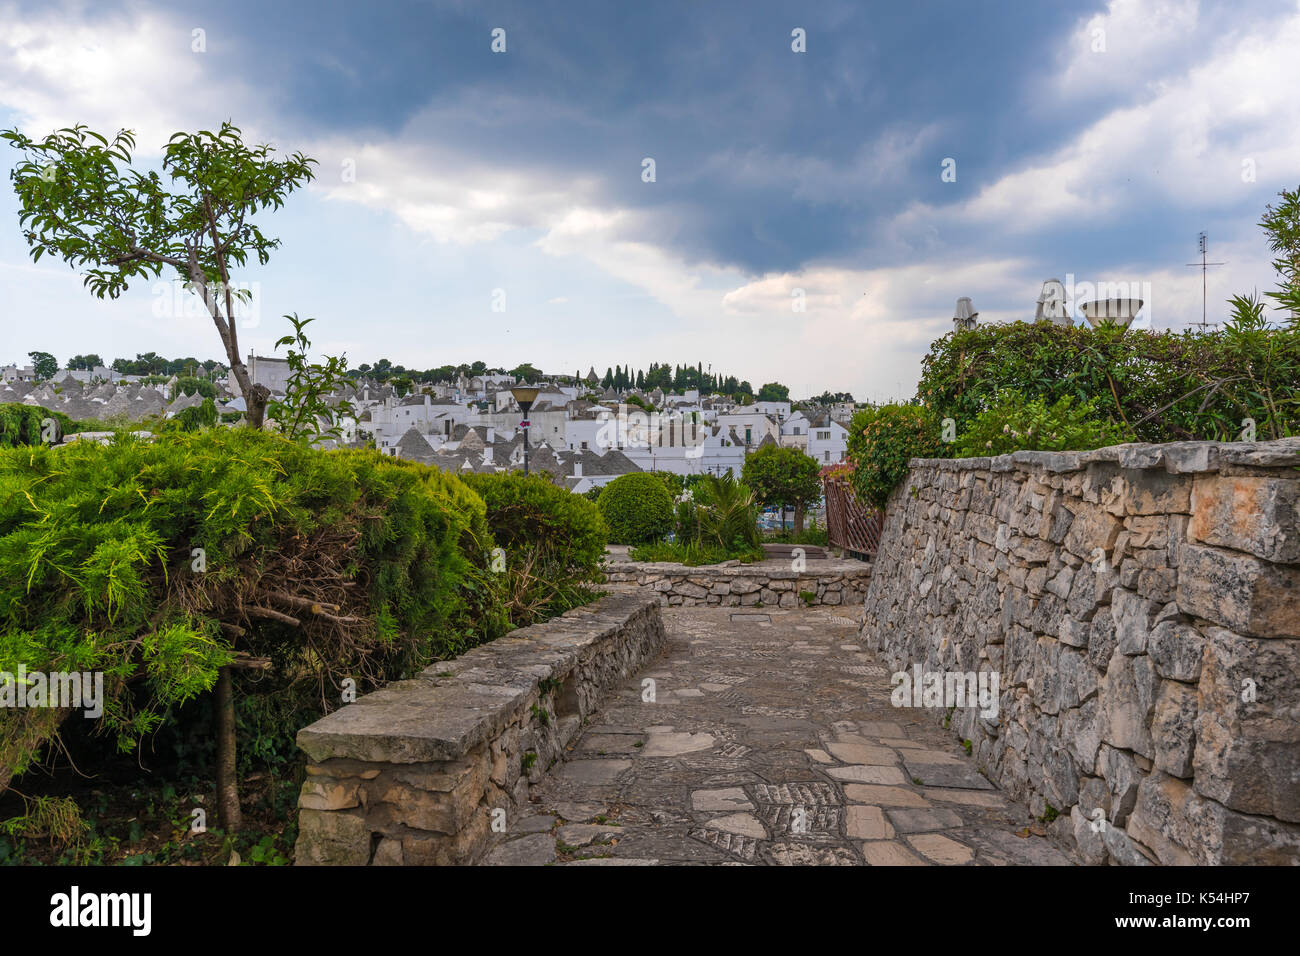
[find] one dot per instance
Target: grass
(693, 554)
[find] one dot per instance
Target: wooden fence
(849, 525)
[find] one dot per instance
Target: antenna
(1201, 245)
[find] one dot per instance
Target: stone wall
(413, 773)
(1141, 606)
(772, 583)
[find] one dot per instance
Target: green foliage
(693, 553)
(44, 365)
(551, 541)
(21, 424)
(198, 416)
(774, 392)
(1163, 386)
(721, 516)
(85, 363)
(672, 481)
(1013, 423)
(305, 414)
(885, 439)
(637, 509)
(1282, 225)
(189, 384)
(782, 477)
(97, 570)
(92, 209)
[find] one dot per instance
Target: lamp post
(525, 395)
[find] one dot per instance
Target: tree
(82, 201)
(44, 365)
(85, 363)
(525, 373)
(774, 392)
(785, 478)
(1282, 224)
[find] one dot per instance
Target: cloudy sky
(1092, 140)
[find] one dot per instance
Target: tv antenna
(1204, 266)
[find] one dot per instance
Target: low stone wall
(414, 773)
(1141, 607)
(772, 583)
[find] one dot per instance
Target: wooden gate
(849, 525)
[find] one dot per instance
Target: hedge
(156, 562)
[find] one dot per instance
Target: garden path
(770, 739)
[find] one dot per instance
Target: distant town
(583, 429)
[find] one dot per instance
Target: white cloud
(133, 71)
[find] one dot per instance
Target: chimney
(427, 400)
(577, 468)
(491, 434)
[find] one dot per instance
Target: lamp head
(525, 395)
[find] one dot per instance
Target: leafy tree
(784, 478)
(82, 201)
(774, 392)
(44, 365)
(1282, 224)
(525, 373)
(85, 363)
(188, 385)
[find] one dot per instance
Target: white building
(794, 431)
(828, 442)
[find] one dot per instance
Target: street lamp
(525, 395)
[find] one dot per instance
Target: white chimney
(577, 468)
(491, 434)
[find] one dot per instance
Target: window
(584, 446)
(823, 436)
(826, 456)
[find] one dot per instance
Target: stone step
(775, 550)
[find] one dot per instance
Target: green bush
(893, 434)
(692, 553)
(21, 424)
(1164, 386)
(197, 416)
(1013, 423)
(552, 542)
(99, 572)
(672, 481)
(637, 509)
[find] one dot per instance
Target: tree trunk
(798, 519)
(228, 812)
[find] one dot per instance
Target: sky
(480, 204)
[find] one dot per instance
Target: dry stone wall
(772, 583)
(1141, 607)
(416, 773)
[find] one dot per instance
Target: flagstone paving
(770, 740)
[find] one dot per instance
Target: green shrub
(21, 424)
(672, 481)
(893, 435)
(725, 515)
(98, 569)
(1164, 386)
(551, 541)
(637, 508)
(1013, 423)
(692, 553)
(197, 416)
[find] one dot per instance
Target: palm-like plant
(726, 513)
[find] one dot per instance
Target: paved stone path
(770, 740)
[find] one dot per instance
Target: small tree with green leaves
(306, 414)
(784, 478)
(44, 365)
(81, 200)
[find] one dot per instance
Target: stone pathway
(770, 740)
